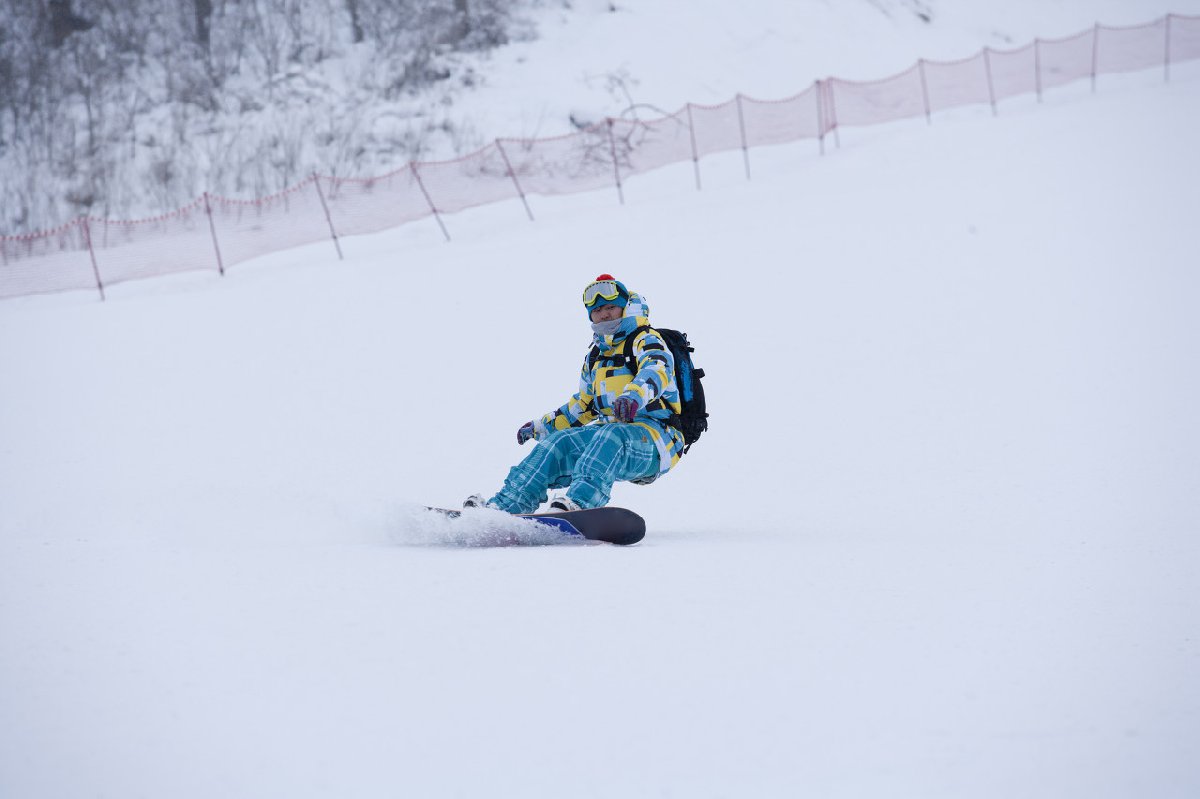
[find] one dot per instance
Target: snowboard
(619, 526)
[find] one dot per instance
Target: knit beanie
(604, 290)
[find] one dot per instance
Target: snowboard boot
(564, 504)
(476, 501)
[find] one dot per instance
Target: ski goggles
(608, 290)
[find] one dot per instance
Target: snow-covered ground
(591, 61)
(941, 541)
(570, 62)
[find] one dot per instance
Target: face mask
(606, 328)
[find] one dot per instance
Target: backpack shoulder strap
(630, 360)
(627, 358)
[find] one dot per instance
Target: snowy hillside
(941, 541)
(133, 118)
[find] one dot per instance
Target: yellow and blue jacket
(605, 378)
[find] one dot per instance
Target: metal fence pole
(987, 67)
(416, 174)
(820, 116)
(742, 130)
(695, 151)
(512, 174)
(612, 146)
(317, 183)
(1037, 66)
(1167, 51)
(212, 229)
(833, 121)
(925, 92)
(87, 236)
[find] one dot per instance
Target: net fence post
(417, 174)
(1037, 66)
(87, 236)
(1095, 53)
(612, 147)
(925, 92)
(328, 218)
(512, 174)
(742, 131)
(987, 68)
(820, 116)
(695, 151)
(833, 120)
(212, 229)
(1167, 50)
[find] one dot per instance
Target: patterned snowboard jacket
(601, 383)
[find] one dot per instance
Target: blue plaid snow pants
(588, 459)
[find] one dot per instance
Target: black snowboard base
(619, 526)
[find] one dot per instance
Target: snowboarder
(614, 428)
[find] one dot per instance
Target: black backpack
(692, 420)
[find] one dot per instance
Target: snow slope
(940, 542)
(570, 61)
(592, 62)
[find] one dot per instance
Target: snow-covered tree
(121, 109)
